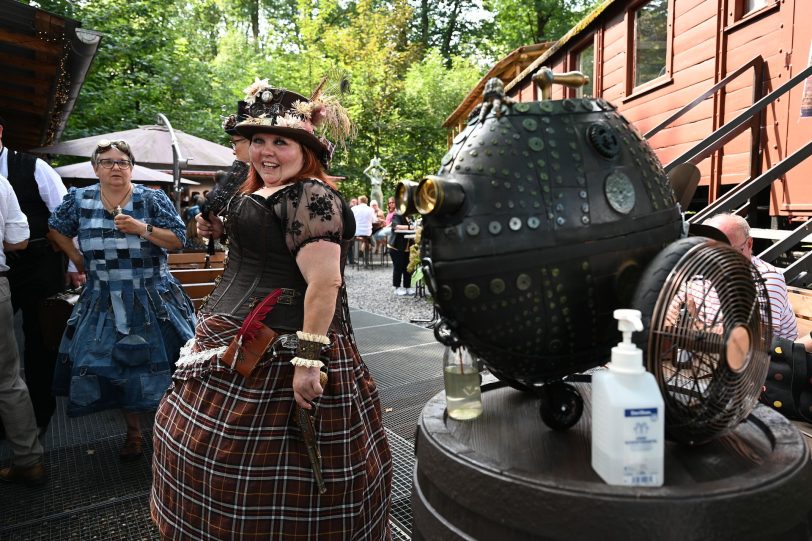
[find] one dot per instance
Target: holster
(244, 357)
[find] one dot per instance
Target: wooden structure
(801, 301)
(505, 69)
(507, 476)
(652, 57)
(44, 59)
(197, 272)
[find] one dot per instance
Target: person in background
(399, 253)
(230, 460)
(737, 231)
(378, 239)
(382, 236)
(126, 330)
(364, 218)
(37, 272)
(194, 209)
(16, 409)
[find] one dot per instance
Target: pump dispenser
(627, 414)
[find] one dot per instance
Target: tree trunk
(424, 23)
(255, 19)
(448, 33)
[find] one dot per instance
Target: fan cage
(711, 297)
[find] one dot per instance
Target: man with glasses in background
(737, 231)
(37, 272)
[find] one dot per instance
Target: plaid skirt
(229, 460)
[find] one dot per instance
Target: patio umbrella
(152, 147)
(83, 172)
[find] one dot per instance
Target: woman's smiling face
(277, 159)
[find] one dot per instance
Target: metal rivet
(472, 229)
(515, 224)
(530, 124)
(523, 282)
(471, 291)
(497, 286)
(585, 207)
(446, 293)
(533, 222)
(582, 194)
(495, 228)
(584, 220)
(535, 143)
(521, 107)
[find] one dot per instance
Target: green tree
(521, 22)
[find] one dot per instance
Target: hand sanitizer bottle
(627, 414)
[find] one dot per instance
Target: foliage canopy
(410, 63)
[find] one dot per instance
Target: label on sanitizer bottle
(640, 443)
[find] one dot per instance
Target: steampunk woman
(230, 459)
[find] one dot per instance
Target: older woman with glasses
(126, 330)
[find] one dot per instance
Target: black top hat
(231, 121)
(289, 114)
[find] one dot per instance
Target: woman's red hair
(311, 168)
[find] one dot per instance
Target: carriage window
(585, 63)
(753, 5)
(650, 41)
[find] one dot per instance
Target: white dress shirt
(364, 218)
(51, 187)
(13, 223)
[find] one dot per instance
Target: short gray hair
(741, 223)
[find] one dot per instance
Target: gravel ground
(371, 290)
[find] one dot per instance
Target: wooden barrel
(507, 476)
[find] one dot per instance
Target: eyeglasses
(108, 163)
(742, 246)
(235, 142)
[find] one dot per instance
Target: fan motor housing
(563, 204)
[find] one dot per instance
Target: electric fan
(706, 319)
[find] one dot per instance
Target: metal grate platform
(91, 494)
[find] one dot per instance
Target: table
(507, 476)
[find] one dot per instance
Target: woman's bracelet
(310, 345)
(310, 337)
(307, 363)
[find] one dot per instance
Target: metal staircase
(739, 199)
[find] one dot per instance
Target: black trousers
(400, 261)
(35, 274)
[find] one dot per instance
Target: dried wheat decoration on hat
(308, 121)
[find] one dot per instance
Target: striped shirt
(783, 318)
(700, 299)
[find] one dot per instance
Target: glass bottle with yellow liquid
(462, 380)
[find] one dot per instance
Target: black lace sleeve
(310, 211)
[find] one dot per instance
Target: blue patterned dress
(125, 332)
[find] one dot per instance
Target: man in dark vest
(227, 186)
(36, 272)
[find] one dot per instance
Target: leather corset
(258, 262)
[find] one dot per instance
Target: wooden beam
(28, 64)
(40, 101)
(20, 80)
(32, 43)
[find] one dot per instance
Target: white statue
(376, 173)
